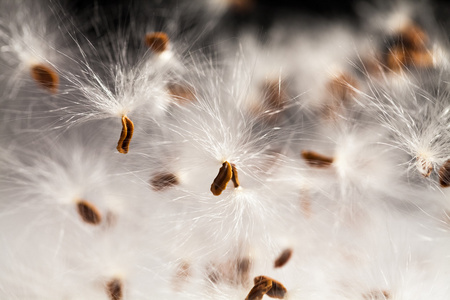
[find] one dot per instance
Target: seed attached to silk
(88, 212)
(276, 290)
(235, 177)
(444, 174)
(259, 289)
(125, 135)
(317, 160)
(163, 181)
(46, 77)
(220, 182)
(114, 289)
(283, 258)
(158, 42)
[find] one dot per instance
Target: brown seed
(220, 182)
(444, 174)
(158, 42)
(181, 93)
(243, 270)
(260, 288)
(283, 258)
(317, 160)
(413, 37)
(88, 212)
(274, 96)
(125, 135)
(396, 59)
(46, 77)
(114, 289)
(341, 87)
(421, 58)
(234, 177)
(376, 295)
(276, 291)
(163, 181)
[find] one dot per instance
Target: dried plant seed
(220, 182)
(341, 87)
(243, 270)
(414, 37)
(259, 289)
(163, 181)
(114, 289)
(125, 135)
(89, 212)
(377, 295)
(277, 291)
(46, 77)
(234, 177)
(181, 93)
(283, 258)
(444, 174)
(317, 160)
(158, 42)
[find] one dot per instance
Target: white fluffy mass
(159, 154)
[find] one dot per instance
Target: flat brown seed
(220, 182)
(234, 177)
(158, 42)
(276, 291)
(421, 58)
(444, 174)
(341, 87)
(125, 135)
(376, 295)
(283, 258)
(114, 289)
(181, 93)
(396, 59)
(243, 270)
(259, 289)
(46, 77)
(317, 160)
(88, 212)
(414, 37)
(163, 181)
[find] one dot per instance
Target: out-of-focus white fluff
(363, 219)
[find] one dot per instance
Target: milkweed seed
(114, 289)
(396, 59)
(421, 58)
(274, 96)
(283, 258)
(125, 135)
(46, 77)
(276, 291)
(316, 160)
(259, 289)
(158, 42)
(163, 181)
(182, 274)
(234, 177)
(88, 212)
(341, 87)
(444, 174)
(377, 295)
(413, 37)
(243, 270)
(220, 182)
(181, 93)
